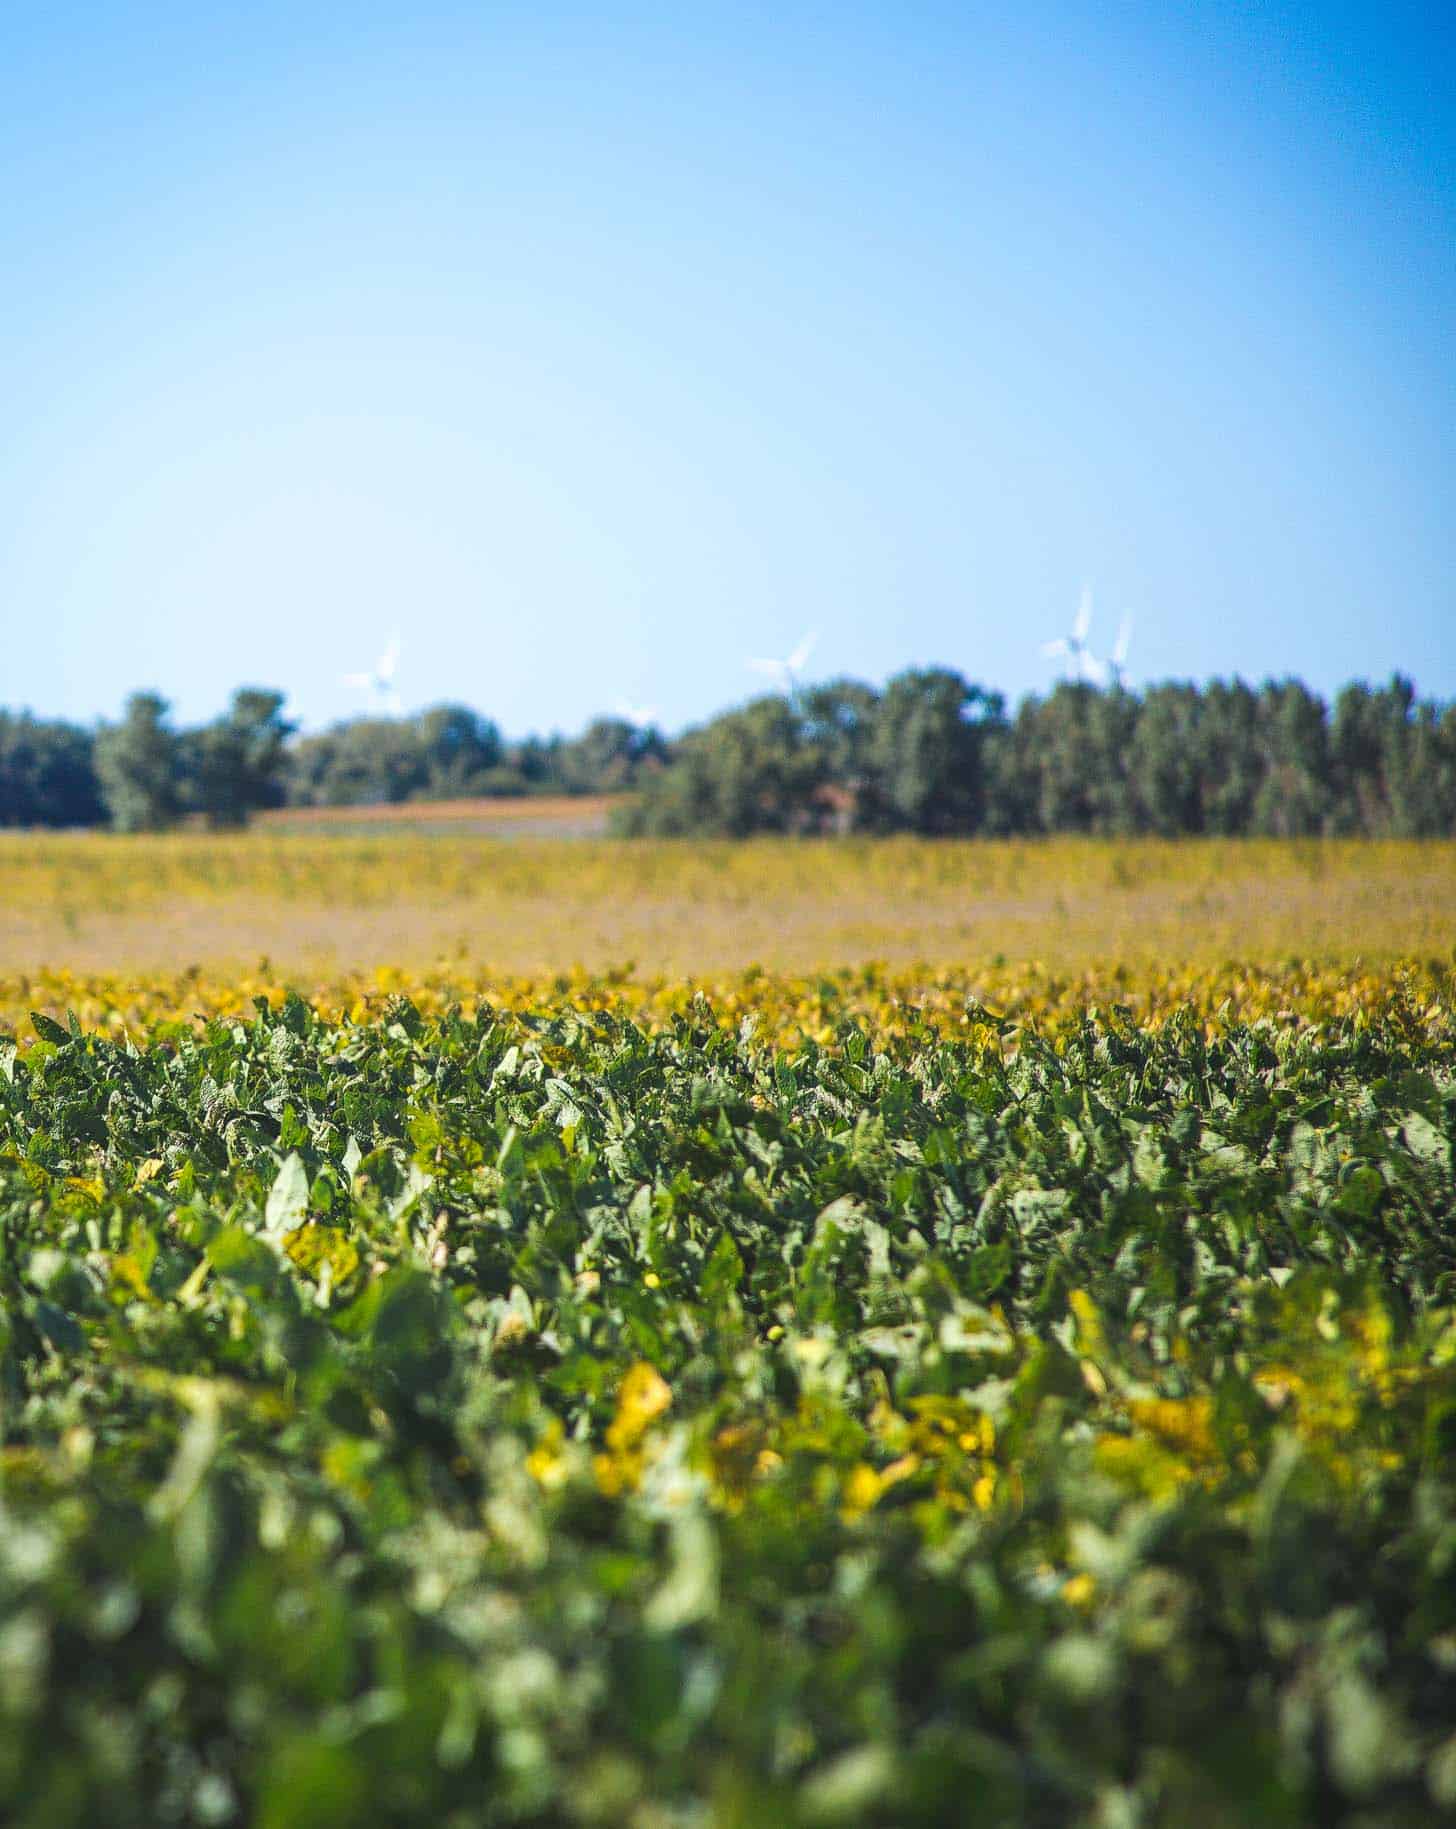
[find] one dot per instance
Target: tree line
(936, 754)
(931, 752)
(143, 773)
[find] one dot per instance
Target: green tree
(237, 765)
(1391, 762)
(1068, 761)
(138, 764)
(1231, 760)
(47, 773)
(1164, 762)
(459, 748)
(608, 756)
(926, 754)
(1423, 796)
(537, 762)
(1295, 798)
(836, 727)
(750, 770)
(364, 762)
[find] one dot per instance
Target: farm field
(952, 1333)
(561, 815)
(319, 905)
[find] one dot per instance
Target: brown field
(550, 815)
(312, 901)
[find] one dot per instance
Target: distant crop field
(559, 815)
(316, 902)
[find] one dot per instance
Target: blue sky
(598, 349)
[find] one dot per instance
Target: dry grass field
(542, 815)
(313, 903)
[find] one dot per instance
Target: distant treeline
(143, 773)
(933, 753)
(930, 753)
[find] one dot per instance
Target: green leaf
(307, 1780)
(1424, 1140)
(690, 1589)
(288, 1198)
(723, 1271)
(846, 1788)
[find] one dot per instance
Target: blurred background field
(316, 902)
(497, 816)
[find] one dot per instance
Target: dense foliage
(47, 773)
(931, 754)
(451, 752)
(150, 774)
(782, 1010)
(934, 754)
(582, 1414)
(144, 774)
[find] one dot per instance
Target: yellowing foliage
(321, 905)
(645, 1395)
(975, 1003)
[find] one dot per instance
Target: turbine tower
(1117, 660)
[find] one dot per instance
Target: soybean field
(1016, 1387)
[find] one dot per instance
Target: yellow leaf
(644, 1396)
(1184, 1424)
(861, 1489)
(313, 1246)
(126, 1273)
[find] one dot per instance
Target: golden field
(801, 934)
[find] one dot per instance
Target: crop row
(887, 1004)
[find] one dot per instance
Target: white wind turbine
(1074, 646)
(640, 717)
(379, 680)
(785, 673)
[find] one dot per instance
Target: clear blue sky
(599, 349)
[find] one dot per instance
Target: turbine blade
(1053, 648)
(1083, 622)
(1124, 641)
(389, 660)
(801, 654)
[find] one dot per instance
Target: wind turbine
(640, 717)
(1117, 660)
(786, 672)
(1074, 646)
(380, 679)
